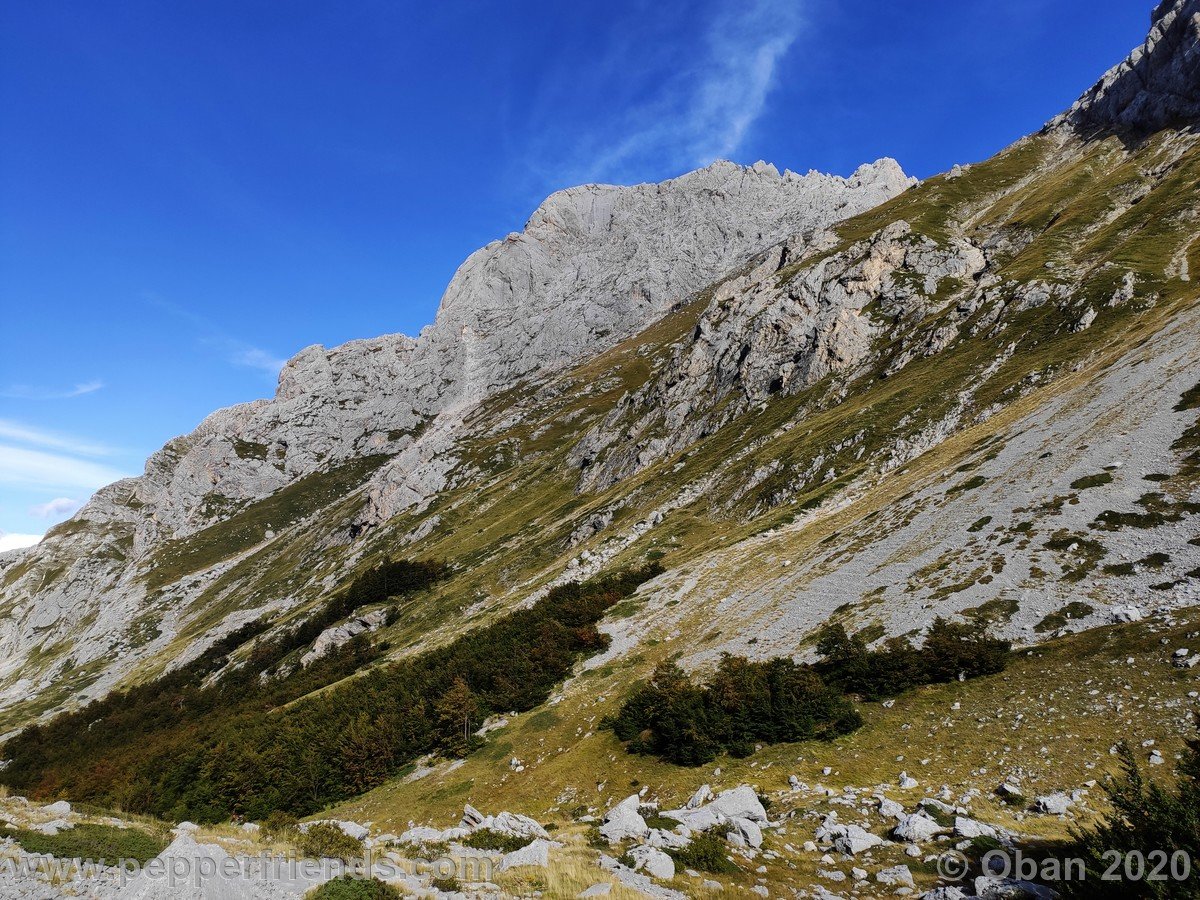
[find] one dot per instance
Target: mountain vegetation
(246, 746)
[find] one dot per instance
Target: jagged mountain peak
(1157, 86)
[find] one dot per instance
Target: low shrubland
(746, 703)
(248, 746)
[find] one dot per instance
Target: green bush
(1145, 817)
(745, 702)
(326, 841)
(178, 749)
(280, 825)
(706, 853)
(97, 843)
(487, 839)
(655, 819)
(950, 650)
(348, 888)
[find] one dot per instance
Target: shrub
(349, 888)
(325, 841)
(706, 853)
(280, 825)
(180, 749)
(97, 843)
(950, 650)
(655, 819)
(487, 839)
(744, 703)
(1145, 817)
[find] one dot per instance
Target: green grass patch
(1091, 481)
(706, 853)
(1056, 620)
(97, 843)
(487, 839)
(349, 888)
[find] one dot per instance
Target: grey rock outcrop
(774, 330)
(1156, 87)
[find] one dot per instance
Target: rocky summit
(749, 532)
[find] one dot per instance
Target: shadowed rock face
(1156, 87)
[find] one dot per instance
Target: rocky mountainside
(593, 265)
(1157, 87)
(810, 400)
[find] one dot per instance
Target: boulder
(421, 834)
(536, 853)
(1055, 804)
(637, 881)
(895, 875)
(624, 822)
(596, 890)
(890, 809)
(653, 862)
(471, 817)
(1126, 614)
(741, 803)
(518, 826)
(666, 840)
(992, 887)
(702, 795)
(58, 810)
(917, 828)
(747, 830)
(856, 840)
(969, 828)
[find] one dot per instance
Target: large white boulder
(747, 831)
(653, 862)
(518, 825)
(855, 840)
(917, 828)
(1055, 804)
(739, 803)
(536, 853)
(624, 821)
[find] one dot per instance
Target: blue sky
(190, 192)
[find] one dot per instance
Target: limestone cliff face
(594, 265)
(1156, 87)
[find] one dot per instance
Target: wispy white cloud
(38, 437)
(23, 467)
(255, 358)
(35, 457)
(58, 508)
(17, 541)
(235, 351)
(698, 108)
(30, 392)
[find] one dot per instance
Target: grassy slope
(507, 522)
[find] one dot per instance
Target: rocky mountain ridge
(976, 401)
(365, 445)
(1156, 87)
(593, 265)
